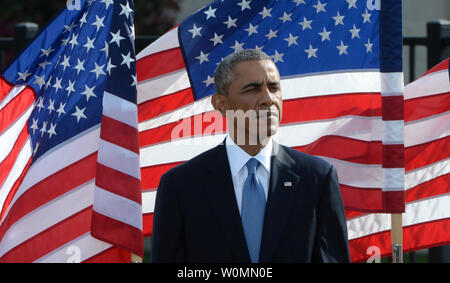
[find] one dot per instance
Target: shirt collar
(237, 157)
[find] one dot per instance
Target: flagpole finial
(135, 258)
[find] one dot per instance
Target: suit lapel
(220, 192)
(279, 203)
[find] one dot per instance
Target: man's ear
(218, 101)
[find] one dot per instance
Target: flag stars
(44, 128)
(217, 39)
(98, 70)
(126, 10)
(61, 109)
(251, 29)
(110, 66)
(65, 62)
(355, 32)
(195, 31)
(98, 22)
(39, 80)
(40, 104)
(79, 113)
(127, 60)
(311, 52)
(366, 17)
(203, 57)
(265, 13)
(277, 57)
(291, 40)
(34, 126)
(57, 86)
(52, 130)
(83, 19)
(49, 82)
(259, 48)
(271, 34)
(351, 4)
(325, 35)
(305, 24)
(338, 19)
(36, 146)
(89, 44)
(368, 46)
(210, 13)
(245, 5)
(286, 18)
(237, 46)
(46, 52)
(70, 88)
(107, 3)
(209, 81)
(88, 92)
(106, 48)
(69, 28)
(342, 48)
(73, 41)
(44, 64)
(132, 33)
(116, 37)
(65, 41)
(23, 76)
(298, 2)
(80, 66)
(230, 22)
(320, 7)
(51, 106)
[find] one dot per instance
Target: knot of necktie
(252, 165)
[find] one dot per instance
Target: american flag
(426, 220)
(342, 82)
(69, 157)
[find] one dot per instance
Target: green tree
(151, 16)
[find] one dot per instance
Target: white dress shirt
(238, 158)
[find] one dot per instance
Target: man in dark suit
(250, 199)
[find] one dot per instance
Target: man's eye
(275, 88)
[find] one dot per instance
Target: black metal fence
(437, 44)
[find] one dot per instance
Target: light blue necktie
(252, 210)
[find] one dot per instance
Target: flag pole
(135, 258)
(397, 237)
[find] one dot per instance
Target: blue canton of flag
(82, 53)
(317, 36)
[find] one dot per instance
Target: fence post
(23, 32)
(436, 32)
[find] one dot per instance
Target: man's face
(256, 86)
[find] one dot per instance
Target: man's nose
(267, 97)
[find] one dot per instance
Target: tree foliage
(151, 16)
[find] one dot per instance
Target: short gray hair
(224, 73)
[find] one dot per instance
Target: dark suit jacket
(196, 217)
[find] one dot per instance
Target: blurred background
(426, 31)
(155, 17)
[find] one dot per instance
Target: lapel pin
(287, 184)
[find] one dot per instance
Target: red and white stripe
(347, 127)
(47, 207)
(426, 220)
(117, 206)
